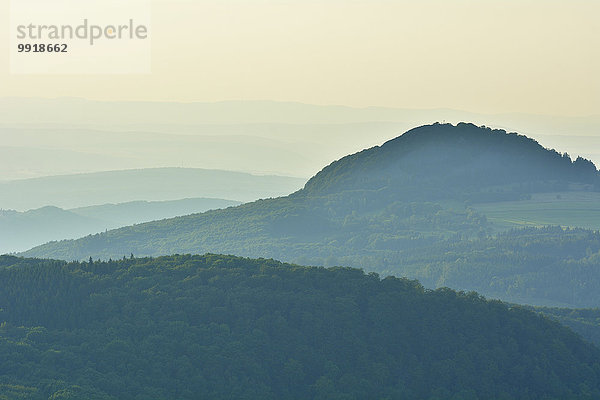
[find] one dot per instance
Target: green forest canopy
(213, 326)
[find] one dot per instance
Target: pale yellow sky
(489, 56)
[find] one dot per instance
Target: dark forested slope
(585, 321)
(210, 326)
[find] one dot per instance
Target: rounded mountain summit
(463, 162)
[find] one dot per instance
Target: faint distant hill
(136, 212)
(160, 114)
(166, 115)
(157, 184)
(404, 209)
(20, 231)
(268, 137)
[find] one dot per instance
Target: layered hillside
(217, 327)
(20, 231)
(402, 209)
(152, 184)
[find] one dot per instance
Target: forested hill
(215, 327)
(463, 162)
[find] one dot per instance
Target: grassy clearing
(568, 209)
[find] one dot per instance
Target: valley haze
(261, 137)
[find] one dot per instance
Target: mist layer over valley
(262, 137)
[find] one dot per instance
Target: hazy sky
(530, 56)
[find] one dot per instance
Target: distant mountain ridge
(136, 212)
(282, 138)
(20, 231)
(154, 184)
